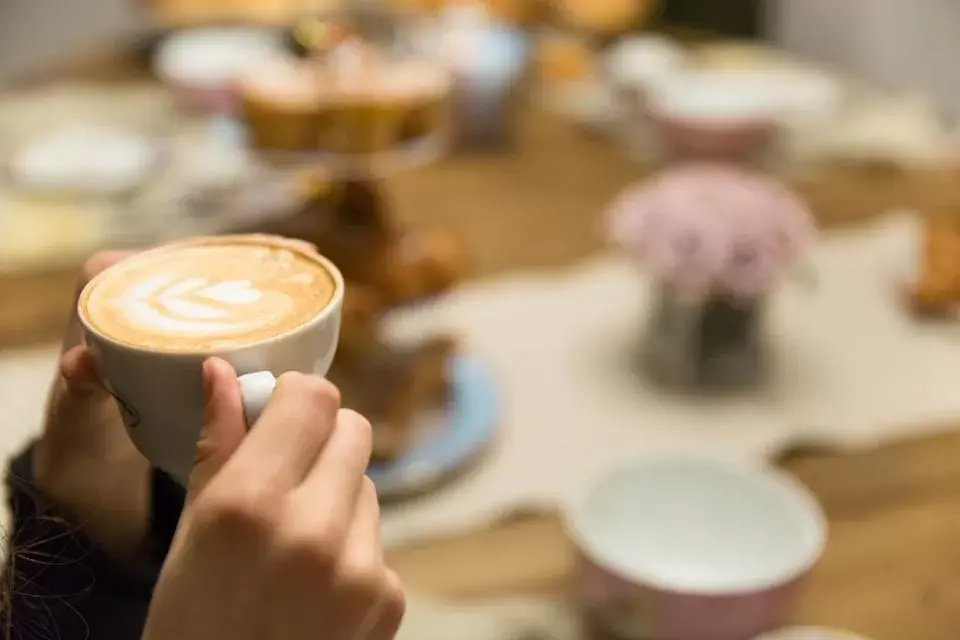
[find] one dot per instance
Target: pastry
(603, 16)
(562, 58)
(349, 225)
(189, 13)
(350, 99)
(516, 12)
(938, 285)
(389, 384)
(400, 264)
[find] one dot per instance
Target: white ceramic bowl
(691, 548)
(717, 98)
(204, 66)
(638, 62)
(715, 114)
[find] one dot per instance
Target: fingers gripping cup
(263, 304)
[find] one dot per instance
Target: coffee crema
(207, 296)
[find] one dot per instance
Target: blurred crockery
(486, 60)
(688, 548)
(85, 160)
(604, 17)
(203, 66)
(810, 633)
(356, 99)
(715, 115)
(632, 67)
(636, 63)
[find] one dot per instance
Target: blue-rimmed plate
(449, 440)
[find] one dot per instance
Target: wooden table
(892, 569)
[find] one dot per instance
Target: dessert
(188, 13)
(603, 16)
(562, 59)
(349, 225)
(390, 384)
(348, 99)
(402, 265)
(516, 12)
(938, 286)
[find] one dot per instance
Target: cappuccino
(209, 295)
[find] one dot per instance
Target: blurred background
(576, 234)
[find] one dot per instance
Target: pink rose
(705, 227)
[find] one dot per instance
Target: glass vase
(714, 342)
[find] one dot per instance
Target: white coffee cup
(161, 394)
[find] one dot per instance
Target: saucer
(451, 438)
(717, 99)
(85, 159)
(637, 62)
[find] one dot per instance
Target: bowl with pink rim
(203, 66)
(707, 114)
(679, 547)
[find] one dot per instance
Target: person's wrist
(117, 521)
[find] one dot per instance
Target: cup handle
(256, 389)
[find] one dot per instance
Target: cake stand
(444, 438)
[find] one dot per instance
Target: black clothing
(58, 585)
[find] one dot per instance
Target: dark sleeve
(59, 585)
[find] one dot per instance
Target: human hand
(280, 534)
(84, 461)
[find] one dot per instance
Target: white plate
(210, 57)
(719, 97)
(640, 61)
(93, 159)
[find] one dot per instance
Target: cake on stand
(346, 114)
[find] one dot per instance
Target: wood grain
(891, 570)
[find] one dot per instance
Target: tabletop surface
(892, 568)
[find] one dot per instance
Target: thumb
(223, 424)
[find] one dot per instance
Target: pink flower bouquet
(707, 230)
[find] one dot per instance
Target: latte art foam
(209, 296)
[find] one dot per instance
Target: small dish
(86, 160)
(448, 442)
(692, 548)
(706, 114)
(203, 66)
(634, 64)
